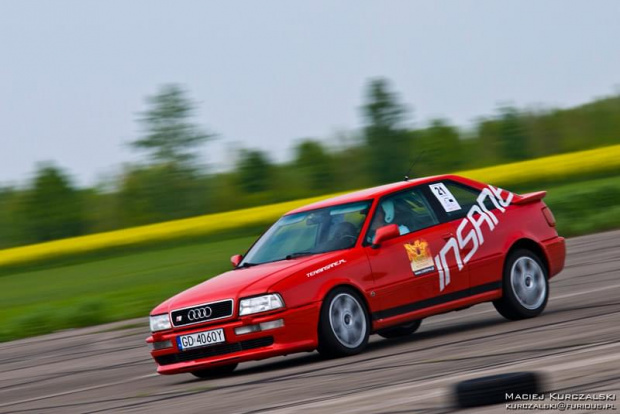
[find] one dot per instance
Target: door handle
(447, 236)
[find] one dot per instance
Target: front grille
(202, 313)
(215, 350)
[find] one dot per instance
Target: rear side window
(457, 199)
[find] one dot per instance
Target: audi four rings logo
(199, 313)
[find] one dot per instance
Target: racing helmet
(388, 210)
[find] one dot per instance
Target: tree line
(170, 183)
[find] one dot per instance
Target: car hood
(240, 283)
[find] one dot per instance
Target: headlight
(260, 304)
(159, 322)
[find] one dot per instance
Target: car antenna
(413, 164)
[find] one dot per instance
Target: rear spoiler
(529, 197)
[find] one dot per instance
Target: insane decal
(420, 256)
(445, 197)
(470, 231)
(324, 268)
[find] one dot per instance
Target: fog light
(265, 326)
(242, 330)
(272, 324)
(156, 346)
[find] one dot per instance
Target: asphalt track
(575, 343)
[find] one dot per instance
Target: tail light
(548, 216)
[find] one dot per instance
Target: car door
(478, 232)
(406, 274)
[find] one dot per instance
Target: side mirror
(384, 234)
(236, 259)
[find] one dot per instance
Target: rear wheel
(400, 331)
(215, 372)
(344, 325)
(525, 286)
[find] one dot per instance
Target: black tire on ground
(493, 389)
(215, 372)
(401, 330)
(343, 316)
(533, 277)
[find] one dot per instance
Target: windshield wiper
(299, 254)
(247, 264)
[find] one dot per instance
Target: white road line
(380, 394)
(585, 292)
(93, 387)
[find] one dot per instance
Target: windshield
(310, 232)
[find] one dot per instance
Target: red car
(327, 275)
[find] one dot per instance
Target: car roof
(373, 192)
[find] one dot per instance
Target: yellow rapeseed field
(575, 164)
(588, 162)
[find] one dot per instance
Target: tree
(51, 208)
(441, 146)
(513, 137)
(168, 187)
(386, 138)
(315, 164)
(157, 193)
(254, 171)
(10, 223)
(169, 136)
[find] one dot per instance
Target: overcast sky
(74, 74)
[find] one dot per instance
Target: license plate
(196, 340)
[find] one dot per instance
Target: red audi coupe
(326, 276)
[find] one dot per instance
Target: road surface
(575, 343)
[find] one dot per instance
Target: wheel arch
(531, 245)
(360, 294)
(354, 288)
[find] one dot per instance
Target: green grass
(111, 289)
(586, 207)
(108, 288)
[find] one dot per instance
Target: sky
(264, 74)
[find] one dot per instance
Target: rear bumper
(298, 334)
(555, 250)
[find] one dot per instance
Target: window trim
(370, 206)
(441, 212)
(378, 201)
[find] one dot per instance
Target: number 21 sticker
(445, 197)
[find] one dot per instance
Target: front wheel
(525, 286)
(344, 325)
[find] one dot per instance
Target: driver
(383, 217)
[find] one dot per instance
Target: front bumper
(298, 334)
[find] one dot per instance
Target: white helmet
(388, 209)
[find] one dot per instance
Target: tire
(525, 286)
(493, 389)
(344, 325)
(400, 331)
(215, 372)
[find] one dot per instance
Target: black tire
(493, 389)
(215, 372)
(358, 322)
(514, 303)
(400, 331)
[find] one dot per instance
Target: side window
(409, 209)
(458, 198)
